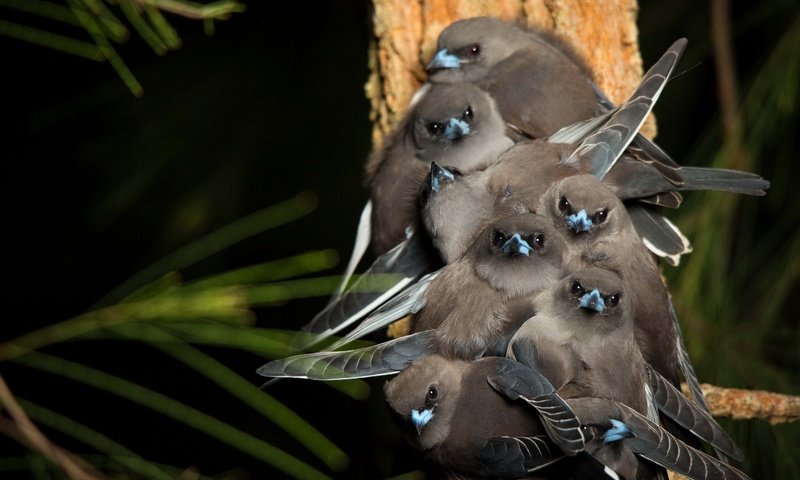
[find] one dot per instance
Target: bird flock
(516, 218)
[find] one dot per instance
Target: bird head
(581, 205)
(468, 49)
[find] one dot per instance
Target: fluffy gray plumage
(581, 350)
(396, 172)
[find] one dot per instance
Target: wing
(735, 181)
(363, 235)
(654, 443)
(517, 381)
(385, 358)
(621, 425)
(603, 148)
(515, 457)
(405, 263)
(659, 235)
(407, 302)
(672, 403)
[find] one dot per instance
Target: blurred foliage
(170, 315)
(735, 291)
(159, 370)
(101, 24)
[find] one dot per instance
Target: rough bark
(605, 33)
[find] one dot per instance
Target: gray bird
(456, 125)
(472, 302)
(583, 331)
(450, 413)
(462, 310)
(581, 334)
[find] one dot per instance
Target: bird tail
(736, 181)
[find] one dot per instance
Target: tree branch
(21, 429)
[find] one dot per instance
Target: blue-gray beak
(456, 129)
(440, 176)
(420, 418)
(593, 301)
(618, 431)
(443, 59)
(516, 246)
(580, 222)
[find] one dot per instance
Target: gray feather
(672, 403)
(386, 358)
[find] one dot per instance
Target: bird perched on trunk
(539, 82)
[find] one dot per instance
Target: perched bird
(462, 312)
(450, 413)
(470, 304)
(581, 333)
(473, 302)
(456, 125)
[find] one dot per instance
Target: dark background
(99, 184)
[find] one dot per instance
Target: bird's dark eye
(435, 128)
(576, 289)
(600, 216)
(538, 241)
(475, 50)
(467, 114)
(564, 206)
(498, 238)
(433, 393)
(613, 299)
